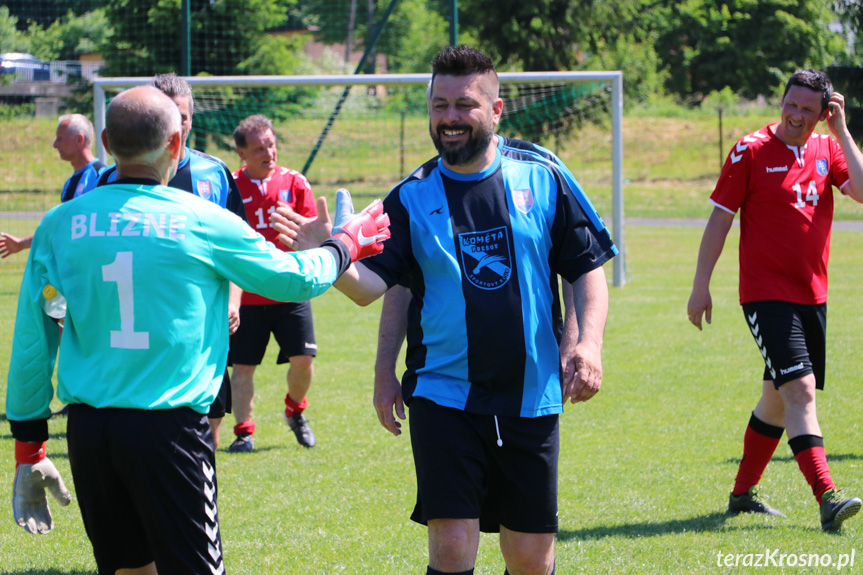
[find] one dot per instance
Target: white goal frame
(615, 78)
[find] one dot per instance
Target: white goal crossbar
(615, 78)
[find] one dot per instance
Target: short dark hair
(814, 80)
(174, 86)
(462, 60)
(252, 125)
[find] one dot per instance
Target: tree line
(686, 49)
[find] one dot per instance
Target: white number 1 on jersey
(120, 271)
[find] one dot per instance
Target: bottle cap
(49, 292)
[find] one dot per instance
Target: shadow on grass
(48, 572)
(709, 522)
(790, 458)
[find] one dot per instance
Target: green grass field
(645, 468)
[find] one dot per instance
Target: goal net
(368, 132)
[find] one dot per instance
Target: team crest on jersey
(523, 200)
(485, 257)
(204, 189)
(79, 190)
(821, 167)
(285, 195)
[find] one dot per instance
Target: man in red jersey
(262, 185)
(781, 178)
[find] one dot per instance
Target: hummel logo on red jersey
(779, 169)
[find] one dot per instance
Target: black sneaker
(750, 503)
(835, 509)
(242, 444)
(300, 426)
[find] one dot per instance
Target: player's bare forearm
(590, 298)
(235, 297)
(853, 157)
(700, 303)
(392, 328)
(570, 334)
(360, 284)
(391, 334)
(10, 244)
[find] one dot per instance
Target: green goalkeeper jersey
(145, 272)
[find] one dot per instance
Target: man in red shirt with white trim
(262, 185)
(781, 179)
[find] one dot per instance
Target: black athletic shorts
(222, 404)
(146, 485)
(462, 472)
(792, 339)
(291, 323)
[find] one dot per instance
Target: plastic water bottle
(53, 302)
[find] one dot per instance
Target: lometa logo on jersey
(285, 195)
(821, 167)
(205, 190)
(485, 257)
(523, 200)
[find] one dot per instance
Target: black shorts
(222, 404)
(792, 339)
(462, 473)
(146, 486)
(291, 323)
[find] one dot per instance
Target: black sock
(506, 571)
(431, 571)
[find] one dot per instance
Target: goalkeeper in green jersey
(145, 271)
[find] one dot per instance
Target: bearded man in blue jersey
(145, 270)
(480, 235)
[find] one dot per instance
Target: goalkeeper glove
(363, 233)
(33, 474)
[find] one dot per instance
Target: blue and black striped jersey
(82, 181)
(481, 253)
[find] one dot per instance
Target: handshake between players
(363, 233)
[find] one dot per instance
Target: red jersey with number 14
(260, 198)
(785, 197)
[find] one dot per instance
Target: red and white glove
(33, 474)
(363, 233)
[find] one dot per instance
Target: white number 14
(811, 195)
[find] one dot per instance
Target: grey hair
(78, 124)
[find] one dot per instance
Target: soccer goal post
(367, 132)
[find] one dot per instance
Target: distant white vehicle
(25, 67)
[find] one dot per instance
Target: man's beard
(476, 144)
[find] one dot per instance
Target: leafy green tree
(411, 37)
(11, 39)
(44, 13)
(70, 36)
(749, 45)
(147, 34)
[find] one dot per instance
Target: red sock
(759, 443)
(811, 458)
(245, 428)
(292, 407)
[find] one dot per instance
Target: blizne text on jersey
(128, 224)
